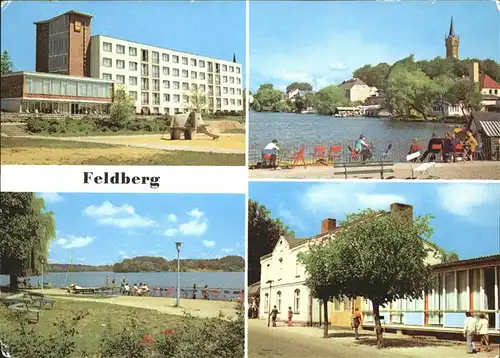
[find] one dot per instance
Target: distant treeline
(159, 264)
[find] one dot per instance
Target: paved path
(306, 342)
(468, 170)
(162, 146)
(197, 308)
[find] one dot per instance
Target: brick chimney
(327, 225)
(397, 208)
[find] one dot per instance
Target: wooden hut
(487, 125)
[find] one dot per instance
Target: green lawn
(30, 151)
(97, 316)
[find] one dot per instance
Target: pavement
(477, 170)
(197, 308)
(165, 145)
(307, 342)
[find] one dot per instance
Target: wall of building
(12, 86)
(10, 105)
(79, 45)
(359, 93)
(171, 99)
(42, 48)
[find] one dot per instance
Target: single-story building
(38, 92)
(487, 125)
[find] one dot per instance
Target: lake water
(293, 130)
(230, 280)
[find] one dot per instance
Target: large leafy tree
(378, 256)
(120, 111)
(6, 63)
(198, 101)
(329, 98)
(467, 94)
(26, 229)
(267, 96)
(302, 86)
(263, 234)
(374, 76)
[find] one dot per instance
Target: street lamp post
(270, 282)
(178, 246)
(42, 275)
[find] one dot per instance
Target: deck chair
(458, 152)
(335, 152)
(422, 168)
(299, 157)
(319, 153)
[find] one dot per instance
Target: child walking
(482, 331)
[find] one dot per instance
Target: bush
(36, 125)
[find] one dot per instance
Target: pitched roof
(486, 81)
(348, 84)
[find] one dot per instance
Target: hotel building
(159, 80)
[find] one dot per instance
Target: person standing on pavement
(290, 315)
(274, 315)
(482, 330)
(470, 328)
(357, 320)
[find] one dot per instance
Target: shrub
(129, 342)
(36, 125)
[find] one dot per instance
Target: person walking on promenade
(357, 320)
(290, 315)
(274, 315)
(470, 329)
(482, 330)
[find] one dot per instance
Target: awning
(491, 128)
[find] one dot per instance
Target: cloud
(197, 225)
(51, 197)
(464, 199)
(346, 198)
(122, 217)
(74, 242)
(227, 250)
(208, 243)
(290, 218)
(172, 218)
(313, 62)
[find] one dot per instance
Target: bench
(41, 300)
(371, 167)
(23, 308)
(422, 168)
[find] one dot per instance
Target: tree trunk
(378, 326)
(325, 319)
(13, 281)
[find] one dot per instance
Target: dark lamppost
(178, 246)
(270, 282)
(43, 261)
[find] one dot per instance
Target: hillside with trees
(159, 264)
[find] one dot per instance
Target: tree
(492, 68)
(282, 106)
(302, 86)
(256, 105)
(263, 234)
(198, 101)
(267, 96)
(467, 94)
(6, 63)
(377, 256)
(409, 88)
(443, 89)
(374, 76)
(329, 98)
(26, 229)
(120, 111)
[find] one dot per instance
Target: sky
(324, 42)
(466, 215)
(214, 29)
(107, 228)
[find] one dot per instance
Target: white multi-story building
(282, 282)
(164, 81)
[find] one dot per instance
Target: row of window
(58, 62)
(155, 71)
(176, 98)
(58, 45)
(155, 57)
(67, 88)
(175, 85)
(279, 299)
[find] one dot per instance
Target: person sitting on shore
(145, 289)
(447, 148)
(126, 289)
(135, 290)
(270, 153)
(415, 147)
(435, 140)
(361, 147)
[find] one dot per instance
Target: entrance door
(489, 294)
